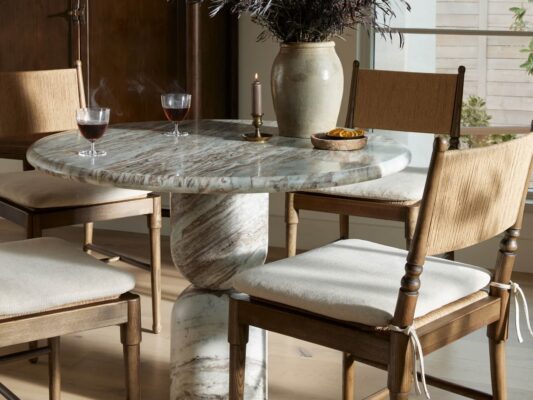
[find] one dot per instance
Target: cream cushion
(42, 274)
(358, 281)
(35, 189)
(405, 186)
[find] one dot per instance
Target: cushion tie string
(418, 357)
(515, 291)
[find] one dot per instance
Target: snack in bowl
(345, 133)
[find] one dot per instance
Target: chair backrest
(37, 102)
(470, 196)
(476, 194)
(406, 101)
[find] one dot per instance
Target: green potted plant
(307, 76)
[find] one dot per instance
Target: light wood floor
(92, 361)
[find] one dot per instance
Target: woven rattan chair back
(406, 101)
(39, 102)
(488, 185)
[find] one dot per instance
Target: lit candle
(257, 104)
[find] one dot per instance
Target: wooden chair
(345, 295)
(50, 289)
(42, 102)
(390, 100)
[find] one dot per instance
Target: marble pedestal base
(213, 238)
(200, 351)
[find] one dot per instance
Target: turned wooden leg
(154, 224)
(399, 374)
(291, 222)
(130, 336)
(498, 369)
(344, 226)
(54, 369)
(348, 376)
(237, 337)
(410, 225)
(88, 236)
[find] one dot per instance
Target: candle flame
(256, 76)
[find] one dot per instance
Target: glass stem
(93, 148)
(176, 129)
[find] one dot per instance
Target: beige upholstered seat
(46, 273)
(339, 281)
(406, 186)
(34, 189)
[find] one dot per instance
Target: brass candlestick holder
(257, 136)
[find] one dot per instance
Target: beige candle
(257, 104)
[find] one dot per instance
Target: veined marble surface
(213, 159)
(216, 236)
(199, 359)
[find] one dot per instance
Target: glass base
(92, 153)
(174, 134)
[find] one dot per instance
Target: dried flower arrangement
(313, 20)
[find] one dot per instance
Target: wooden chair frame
(387, 349)
(406, 212)
(36, 220)
(123, 311)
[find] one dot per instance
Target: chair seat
(34, 189)
(405, 186)
(358, 281)
(43, 274)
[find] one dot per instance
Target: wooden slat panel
(34, 35)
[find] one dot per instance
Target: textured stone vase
(307, 86)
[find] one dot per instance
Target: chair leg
(154, 224)
(130, 336)
(410, 225)
(88, 236)
(33, 230)
(54, 369)
(344, 226)
(291, 222)
(238, 338)
(399, 379)
(348, 376)
(498, 369)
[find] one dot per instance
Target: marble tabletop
(213, 159)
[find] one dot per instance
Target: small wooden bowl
(322, 142)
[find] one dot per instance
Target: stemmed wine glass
(92, 123)
(176, 107)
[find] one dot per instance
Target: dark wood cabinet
(132, 51)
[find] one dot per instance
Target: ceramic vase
(307, 88)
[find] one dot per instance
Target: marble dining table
(220, 187)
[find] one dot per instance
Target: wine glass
(92, 122)
(176, 107)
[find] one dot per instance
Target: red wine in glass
(92, 130)
(92, 123)
(176, 106)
